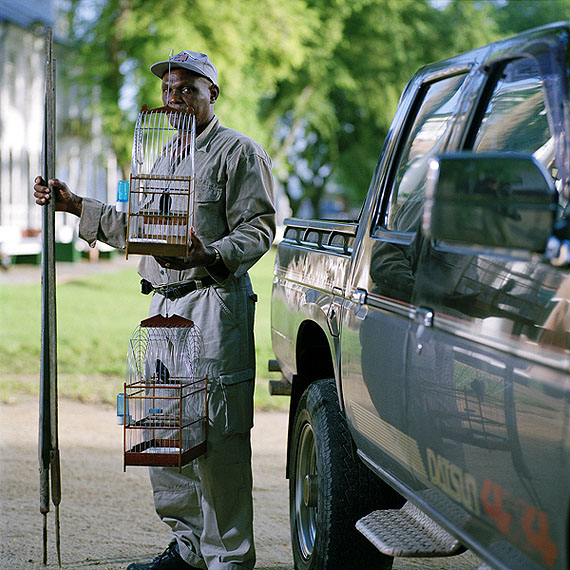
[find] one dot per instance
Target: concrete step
(408, 532)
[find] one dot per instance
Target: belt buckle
(170, 293)
(199, 283)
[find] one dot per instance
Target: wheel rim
(306, 468)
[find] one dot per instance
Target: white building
(85, 163)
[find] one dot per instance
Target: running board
(408, 532)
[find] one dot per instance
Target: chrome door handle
(359, 296)
(423, 316)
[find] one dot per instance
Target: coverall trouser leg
(209, 505)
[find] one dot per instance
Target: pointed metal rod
(48, 446)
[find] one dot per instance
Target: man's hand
(199, 255)
(65, 200)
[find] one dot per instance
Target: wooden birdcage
(161, 196)
(165, 412)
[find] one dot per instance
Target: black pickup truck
(426, 345)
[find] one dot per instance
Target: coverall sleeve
(250, 212)
(102, 222)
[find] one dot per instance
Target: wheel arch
(314, 361)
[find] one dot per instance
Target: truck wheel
(330, 489)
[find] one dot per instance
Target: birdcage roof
(170, 321)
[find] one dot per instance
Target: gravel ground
(107, 518)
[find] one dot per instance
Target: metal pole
(48, 424)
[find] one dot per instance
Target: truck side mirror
(503, 200)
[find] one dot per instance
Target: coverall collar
(208, 133)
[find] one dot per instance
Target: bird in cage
(162, 183)
(162, 372)
(165, 394)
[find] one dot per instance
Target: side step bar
(278, 387)
(408, 532)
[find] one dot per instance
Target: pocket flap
(206, 191)
(237, 377)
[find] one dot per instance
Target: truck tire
(330, 489)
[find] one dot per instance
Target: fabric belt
(176, 291)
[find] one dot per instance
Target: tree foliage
(518, 15)
(116, 41)
(346, 94)
(315, 81)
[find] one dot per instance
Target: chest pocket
(210, 220)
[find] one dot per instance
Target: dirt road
(107, 516)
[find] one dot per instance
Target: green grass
(96, 317)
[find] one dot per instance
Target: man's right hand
(65, 200)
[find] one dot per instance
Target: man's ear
(214, 93)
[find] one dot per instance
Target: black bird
(162, 372)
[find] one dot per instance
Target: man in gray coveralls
(209, 504)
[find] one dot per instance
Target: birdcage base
(161, 453)
(160, 248)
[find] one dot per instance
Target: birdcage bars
(157, 432)
(162, 183)
(165, 412)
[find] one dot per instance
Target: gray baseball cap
(197, 62)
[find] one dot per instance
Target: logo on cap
(180, 57)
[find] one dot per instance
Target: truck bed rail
(321, 234)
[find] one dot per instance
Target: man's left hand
(199, 255)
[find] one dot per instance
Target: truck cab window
(516, 118)
(393, 258)
(425, 138)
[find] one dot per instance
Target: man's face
(181, 89)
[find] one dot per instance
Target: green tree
(516, 16)
(316, 81)
(255, 44)
(344, 96)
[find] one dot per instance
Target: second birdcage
(161, 196)
(165, 403)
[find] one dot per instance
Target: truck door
(489, 351)
(379, 311)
